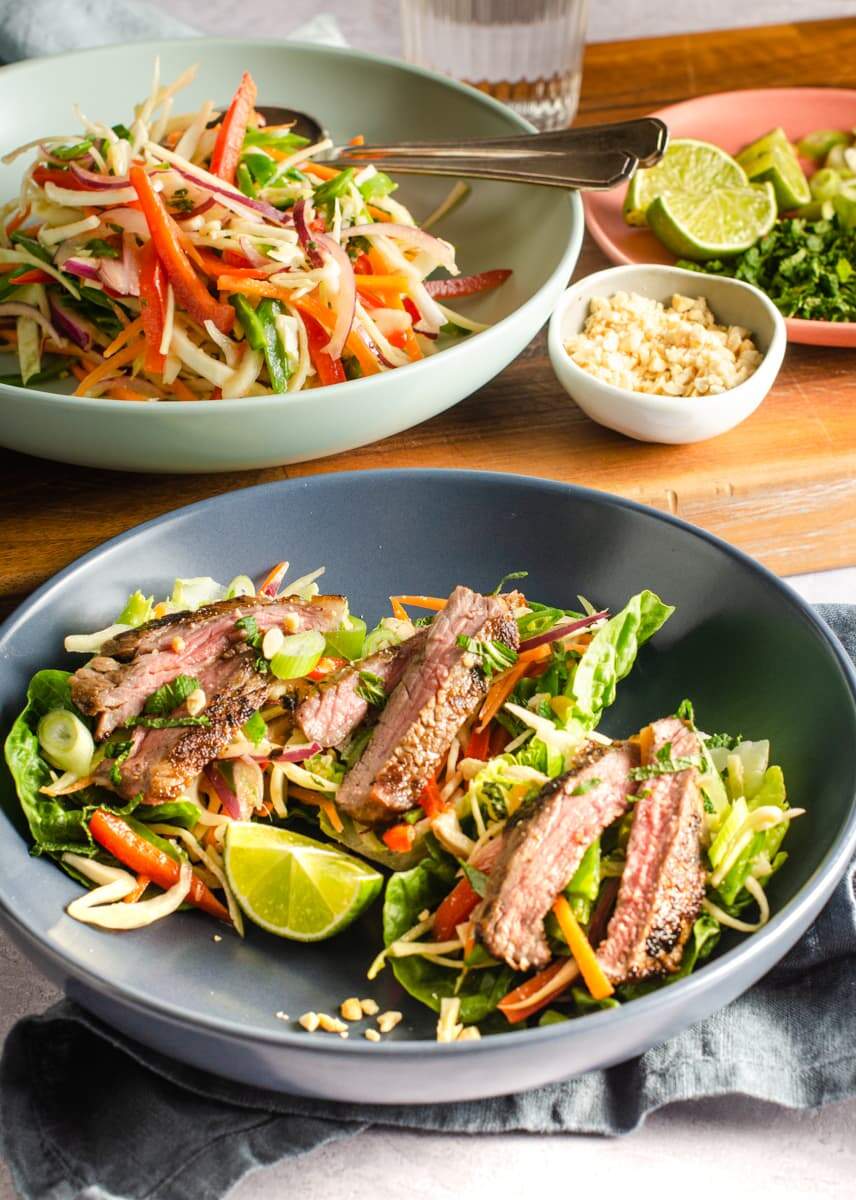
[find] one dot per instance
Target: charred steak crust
(115, 685)
(334, 710)
(543, 845)
(164, 761)
(663, 883)
(441, 687)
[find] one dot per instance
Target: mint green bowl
(535, 231)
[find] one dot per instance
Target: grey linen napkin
(153, 1128)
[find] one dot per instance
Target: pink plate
(730, 119)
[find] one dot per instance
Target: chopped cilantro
(477, 879)
(255, 729)
(371, 689)
(170, 695)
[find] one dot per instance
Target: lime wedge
(775, 139)
(293, 886)
(783, 170)
(717, 225)
(687, 166)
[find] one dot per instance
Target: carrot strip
(272, 580)
(584, 956)
(126, 334)
(18, 220)
(182, 390)
(399, 838)
(357, 140)
(538, 989)
(456, 907)
(397, 602)
(379, 214)
(121, 391)
(143, 882)
(107, 368)
(319, 170)
(430, 799)
(382, 283)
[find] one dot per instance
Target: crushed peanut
(217, 938)
(331, 1024)
(281, 1016)
(635, 342)
(196, 701)
(310, 1021)
(372, 1035)
(177, 644)
(469, 1033)
(272, 641)
(370, 1007)
(448, 1027)
(291, 623)
(351, 1009)
(387, 1021)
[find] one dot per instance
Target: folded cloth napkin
(33, 27)
(194, 1134)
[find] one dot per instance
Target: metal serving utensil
(592, 158)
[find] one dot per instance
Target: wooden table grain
(782, 486)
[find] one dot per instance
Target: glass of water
(527, 53)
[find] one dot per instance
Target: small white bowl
(672, 419)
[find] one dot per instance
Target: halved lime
(763, 145)
(779, 166)
(717, 225)
(293, 886)
(687, 166)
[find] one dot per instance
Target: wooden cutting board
(782, 486)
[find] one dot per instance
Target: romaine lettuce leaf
(57, 823)
(408, 893)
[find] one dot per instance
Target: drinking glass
(526, 53)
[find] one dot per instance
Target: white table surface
(732, 1147)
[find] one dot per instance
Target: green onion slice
(348, 642)
(298, 655)
(66, 742)
(241, 585)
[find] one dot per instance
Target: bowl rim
(736, 397)
(252, 404)
(776, 932)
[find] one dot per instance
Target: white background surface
(711, 1150)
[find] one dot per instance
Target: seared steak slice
(663, 882)
(544, 844)
(336, 708)
(441, 687)
(165, 760)
(115, 685)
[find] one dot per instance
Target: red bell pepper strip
(457, 906)
(479, 744)
(326, 666)
(430, 799)
(63, 179)
(465, 285)
(189, 289)
(141, 857)
(33, 276)
(230, 137)
(530, 988)
(399, 838)
(152, 305)
(330, 370)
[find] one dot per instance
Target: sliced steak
(441, 687)
(663, 882)
(115, 685)
(335, 710)
(164, 761)
(544, 844)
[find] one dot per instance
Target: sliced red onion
(346, 297)
(230, 198)
(130, 219)
(96, 180)
(15, 309)
(84, 268)
(410, 235)
(200, 209)
(304, 235)
(77, 328)
(296, 754)
(122, 275)
(253, 256)
(231, 803)
(562, 631)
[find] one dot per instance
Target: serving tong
(592, 158)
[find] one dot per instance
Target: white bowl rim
(676, 404)
(250, 404)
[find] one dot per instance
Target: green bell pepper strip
(259, 326)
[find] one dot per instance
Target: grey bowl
(748, 651)
(535, 231)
